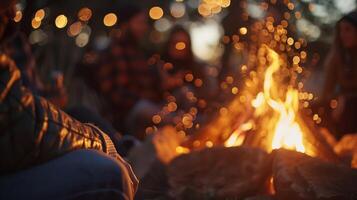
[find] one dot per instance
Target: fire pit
(268, 119)
(262, 148)
(262, 145)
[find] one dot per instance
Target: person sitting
(341, 77)
(45, 153)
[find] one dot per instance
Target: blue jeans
(82, 174)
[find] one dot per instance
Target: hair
(337, 53)
(336, 57)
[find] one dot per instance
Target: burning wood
(270, 118)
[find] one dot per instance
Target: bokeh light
(110, 19)
(84, 14)
(40, 14)
(82, 39)
(61, 21)
(35, 24)
(180, 46)
(177, 10)
(18, 16)
(75, 29)
(156, 13)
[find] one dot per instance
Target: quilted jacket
(33, 131)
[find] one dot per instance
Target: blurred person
(87, 105)
(184, 78)
(341, 77)
(178, 65)
(178, 60)
(45, 153)
(125, 77)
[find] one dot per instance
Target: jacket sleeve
(33, 130)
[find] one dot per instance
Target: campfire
(269, 118)
(262, 145)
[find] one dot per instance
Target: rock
(298, 176)
(219, 173)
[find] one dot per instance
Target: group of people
(115, 92)
(45, 153)
(130, 84)
(48, 154)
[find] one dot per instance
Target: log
(300, 177)
(219, 173)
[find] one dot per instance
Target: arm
(33, 130)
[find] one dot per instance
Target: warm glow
(156, 119)
(243, 30)
(85, 14)
(210, 7)
(18, 16)
(287, 132)
(110, 19)
(180, 46)
(35, 24)
(234, 140)
(182, 150)
(75, 29)
(40, 14)
(237, 137)
(156, 13)
(61, 21)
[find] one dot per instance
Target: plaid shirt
(126, 77)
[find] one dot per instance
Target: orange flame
(237, 138)
(287, 132)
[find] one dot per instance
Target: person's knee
(76, 174)
(97, 164)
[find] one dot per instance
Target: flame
(287, 131)
(237, 137)
(182, 150)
